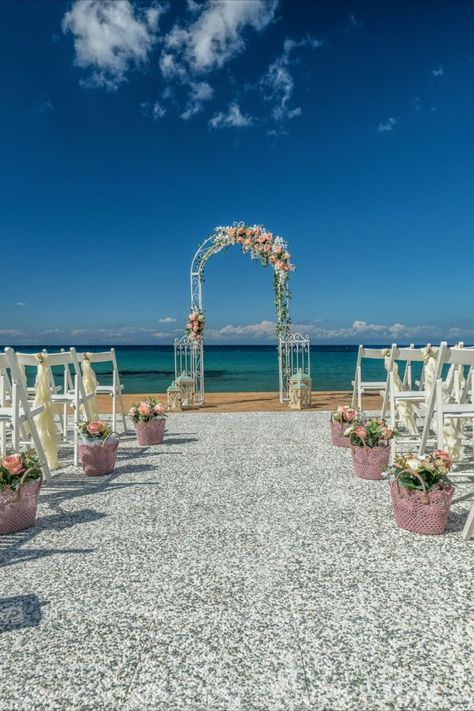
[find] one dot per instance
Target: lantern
(174, 397)
(186, 390)
(300, 391)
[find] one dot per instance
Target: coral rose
(95, 427)
(14, 464)
(277, 249)
(348, 414)
(443, 457)
(144, 408)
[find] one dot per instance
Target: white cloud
(233, 117)
(110, 36)
(264, 329)
(167, 319)
(214, 36)
(199, 93)
(278, 83)
(155, 110)
(438, 72)
(21, 303)
(388, 125)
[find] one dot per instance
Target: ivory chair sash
(75, 397)
(87, 361)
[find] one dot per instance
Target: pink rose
(248, 242)
(189, 325)
(14, 464)
(361, 432)
(232, 232)
(286, 267)
(144, 409)
(267, 248)
(269, 237)
(262, 239)
(348, 414)
(95, 427)
(240, 239)
(443, 457)
(277, 249)
(278, 264)
(287, 255)
(248, 232)
(272, 259)
(257, 231)
(158, 409)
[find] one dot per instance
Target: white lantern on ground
(186, 390)
(174, 397)
(300, 391)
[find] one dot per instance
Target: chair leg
(468, 529)
(76, 423)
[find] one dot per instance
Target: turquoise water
(150, 369)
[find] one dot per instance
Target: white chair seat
(458, 410)
(371, 384)
(106, 389)
(410, 395)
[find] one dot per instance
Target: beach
(248, 402)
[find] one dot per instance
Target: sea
(228, 368)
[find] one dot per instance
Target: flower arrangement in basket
(195, 325)
(421, 492)
(370, 445)
(20, 482)
(98, 447)
(149, 419)
(340, 419)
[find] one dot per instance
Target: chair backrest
(459, 356)
(102, 357)
(5, 382)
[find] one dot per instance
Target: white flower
(413, 464)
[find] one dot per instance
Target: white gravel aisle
(238, 566)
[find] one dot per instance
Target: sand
(251, 402)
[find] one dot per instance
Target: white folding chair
(115, 390)
(74, 397)
(16, 412)
(371, 387)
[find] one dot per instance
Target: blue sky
(129, 130)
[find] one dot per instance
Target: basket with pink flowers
(149, 419)
(370, 446)
(20, 482)
(421, 492)
(97, 447)
(340, 421)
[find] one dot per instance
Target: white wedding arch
(269, 250)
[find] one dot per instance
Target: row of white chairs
(18, 414)
(443, 399)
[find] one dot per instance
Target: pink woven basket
(150, 432)
(18, 508)
(421, 511)
(370, 462)
(98, 459)
(337, 434)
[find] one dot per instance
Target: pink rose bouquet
(195, 325)
(94, 431)
(371, 432)
(432, 468)
(344, 413)
(17, 469)
(147, 410)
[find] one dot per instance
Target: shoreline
(248, 401)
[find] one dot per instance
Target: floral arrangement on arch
(147, 410)
(432, 469)
(371, 432)
(94, 431)
(195, 325)
(17, 469)
(262, 245)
